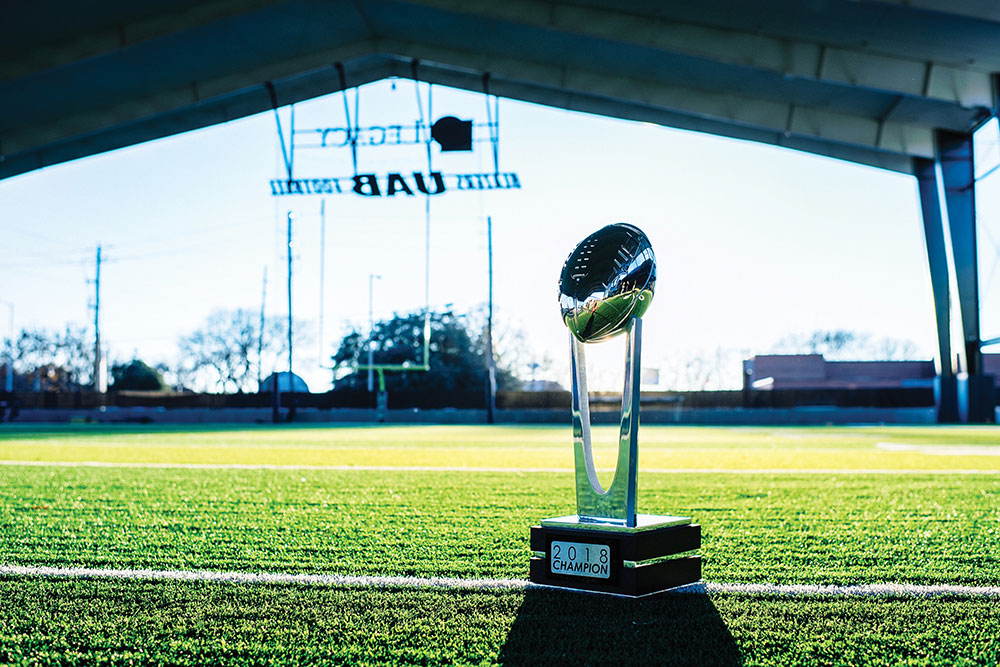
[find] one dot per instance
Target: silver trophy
(606, 286)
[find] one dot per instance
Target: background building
(813, 371)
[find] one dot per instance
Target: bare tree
(54, 359)
(702, 370)
(33, 348)
(895, 349)
(223, 351)
(75, 349)
(840, 344)
(178, 376)
(512, 348)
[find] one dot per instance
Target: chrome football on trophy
(605, 288)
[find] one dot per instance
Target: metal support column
(955, 156)
(946, 385)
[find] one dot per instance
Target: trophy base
(657, 554)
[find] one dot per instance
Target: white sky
(753, 242)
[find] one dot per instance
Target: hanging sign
(451, 134)
(392, 184)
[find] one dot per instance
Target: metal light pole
(99, 384)
(322, 280)
(291, 385)
(288, 246)
(372, 277)
(260, 334)
(491, 366)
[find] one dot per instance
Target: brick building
(812, 371)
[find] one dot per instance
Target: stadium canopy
(895, 84)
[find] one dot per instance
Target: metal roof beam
(196, 94)
(170, 121)
(776, 116)
(958, 84)
(984, 10)
(879, 142)
(116, 37)
(586, 102)
(871, 108)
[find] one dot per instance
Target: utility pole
(291, 386)
(322, 279)
(491, 367)
(9, 381)
(371, 331)
(98, 384)
(260, 336)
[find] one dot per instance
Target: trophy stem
(617, 504)
(628, 445)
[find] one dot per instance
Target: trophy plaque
(605, 287)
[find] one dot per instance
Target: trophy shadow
(556, 627)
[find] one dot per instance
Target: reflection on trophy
(605, 287)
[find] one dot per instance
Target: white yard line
(857, 590)
(262, 578)
(270, 466)
(940, 450)
(786, 590)
(654, 471)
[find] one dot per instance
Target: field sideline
(798, 522)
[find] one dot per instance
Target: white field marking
(347, 581)
(857, 590)
(941, 450)
(654, 471)
(270, 466)
(263, 578)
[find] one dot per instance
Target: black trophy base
(622, 562)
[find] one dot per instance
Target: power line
(37, 235)
(75, 257)
(189, 247)
(156, 240)
(20, 259)
(70, 257)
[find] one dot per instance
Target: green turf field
(916, 448)
(777, 505)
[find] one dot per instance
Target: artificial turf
(842, 527)
(670, 447)
(791, 528)
(95, 622)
